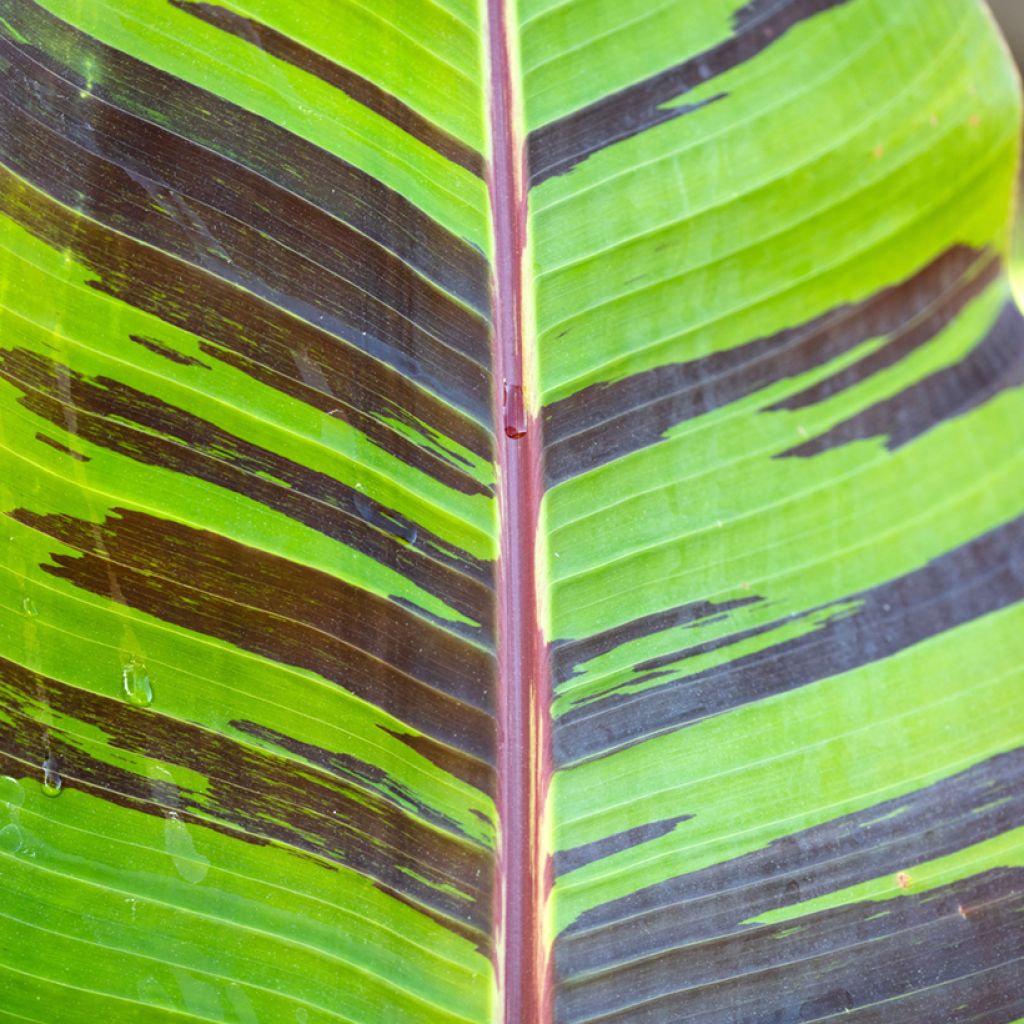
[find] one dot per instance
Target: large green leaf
(686, 685)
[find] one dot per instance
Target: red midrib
(523, 762)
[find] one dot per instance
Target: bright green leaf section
(173, 41)
(260, 817)
(799, 759)
(575, 53)
(827, 173)
(154, 886)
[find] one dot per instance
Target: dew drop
(52, 782)
(137, 687)
(364, 507)
(28, 607)
(10, 839)
(188, 861)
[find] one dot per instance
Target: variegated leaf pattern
(780, 374)
(258, 492)
(248, 495)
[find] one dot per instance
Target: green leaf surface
(258, 485)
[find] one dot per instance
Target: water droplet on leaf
(384, 519)
(10, 839)
(137, 687)
(52, 782)
(188, 861)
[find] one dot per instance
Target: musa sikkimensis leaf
(512, 512)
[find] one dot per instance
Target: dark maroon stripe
(588, 853)
(603, 422)
(283, 611)
(995, 364)
(559, 146)
(353, 770)
(220, 245)
(161, 348)
(224, 569)
(901, 343)
(477, 773)
(679, 942)
(663, 665)
(964, 584)
(62, 448)
(360, 89)
(327, 182)
(567, 656)
(483, 941)
(182, 185)
(249, 794)
(144, 428)
(962, 810)
(296, 357)
(320, 366)
(906, 961)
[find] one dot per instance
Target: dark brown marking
(559, 146)
(212, 195)
(603, 422)
(567, 656)
(217, 244)
(286, 612)
(362, 90)
(994, 365)
(246, 207)
(901, 343)
(865, 962)
(281, 351)
(351, 769)
(162, 349)
(337, 188)
(599, 849)
(478, 774)
(62, 448)
(679, 943)
(153, 432)
(961, 585)
(249, 794)
(484, 942)
(967, 808)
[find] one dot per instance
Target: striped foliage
(267, 544)
(780, 372)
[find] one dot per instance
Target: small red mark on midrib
(514, 412)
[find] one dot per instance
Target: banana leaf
(512, 511)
